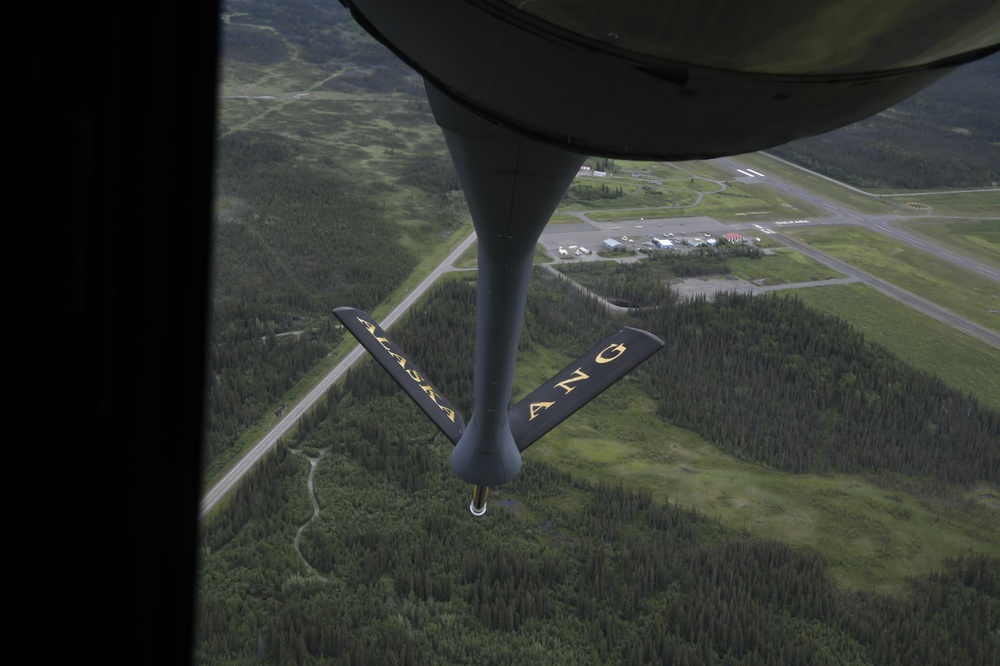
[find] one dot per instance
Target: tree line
(944, 136)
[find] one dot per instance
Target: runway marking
(755, 173)
(991, 272)
(951, 256)
(744, 173)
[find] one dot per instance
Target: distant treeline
(947, 136)
(322, 34)
(315, 28)
(398, 571)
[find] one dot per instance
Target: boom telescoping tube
(478, 506)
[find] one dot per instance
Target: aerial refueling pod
(525, 91)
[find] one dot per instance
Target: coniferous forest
(776, 382)
(392, 569)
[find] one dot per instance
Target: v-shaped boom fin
(399, 366)
(579, 383)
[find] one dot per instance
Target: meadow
(937, 280)
(873, 538)
(781, 266)
(979, 239)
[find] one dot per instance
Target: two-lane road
(233, 476)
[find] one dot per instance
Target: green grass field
(738, 203)
(874, 538)
(959, 359)
(937, 280)
(956, 204)
(704, 169)
(979, 239)
(470, 259)
(563, 218)
(782, 267)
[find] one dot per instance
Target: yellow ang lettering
(411, 373)
(537, 407)
(606, 355)
(578, 375)
(618, 350)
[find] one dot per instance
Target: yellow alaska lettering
(450, 413)
(578, 375)
(411, 373)
(618, 350)
(432, 394)
(372, 328)
(536, 407)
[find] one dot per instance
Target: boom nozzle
(478, 506)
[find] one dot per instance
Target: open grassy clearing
(743, 202)
(738, 203)
(636, 213)
(471, 257)
(588, 192)
(957, 204)
(959, 359)
(563, 218)
(783, 266)
(700, 170)
(656, 169)
(979, 239)
(704, 169)
(937, 280)
(874, 538)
